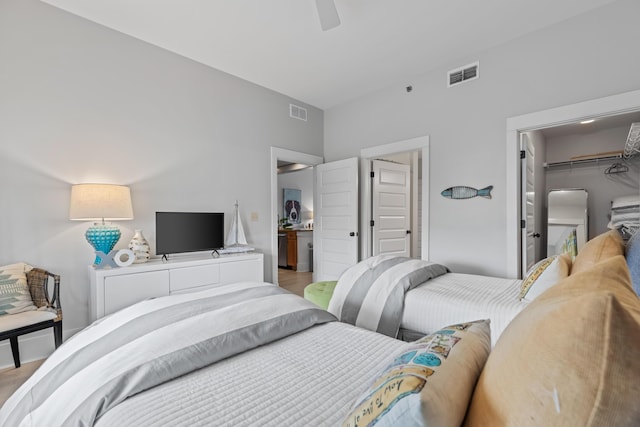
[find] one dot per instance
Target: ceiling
(599, 124)
(279, 44)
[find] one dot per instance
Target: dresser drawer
(122, 291)
(241, 271)
(194, 277)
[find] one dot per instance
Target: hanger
(616, 168)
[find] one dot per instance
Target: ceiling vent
(297, 112)
(466, 73)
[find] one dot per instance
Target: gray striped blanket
(150, 343)
(371, 293)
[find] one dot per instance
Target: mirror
(568, 221)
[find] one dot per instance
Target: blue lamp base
(103, 237)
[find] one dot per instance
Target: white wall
(82, 103)
(587, 57)
(602, 189)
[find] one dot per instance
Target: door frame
(601, 107)
(421, 144)
(287, 156)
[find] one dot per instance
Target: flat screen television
(179, 232)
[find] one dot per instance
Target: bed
(245, 354)
(257, 355)
(456, 297)
(409, 298)
(308, 379)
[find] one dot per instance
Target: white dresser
(116, 288)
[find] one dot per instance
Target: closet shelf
(632, 145)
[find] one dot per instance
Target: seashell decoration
(140, 247)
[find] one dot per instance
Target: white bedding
(455, 297)
(153, 342)
(307, 379)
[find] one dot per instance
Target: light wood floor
(12, 378)
(293, 281)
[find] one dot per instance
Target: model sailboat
(236, 240)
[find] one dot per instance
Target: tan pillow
(543, 275)
(569, 358)
(598, 249)
(429, 382)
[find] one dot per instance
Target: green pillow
(320, 293)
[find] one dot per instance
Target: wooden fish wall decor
(464, 192)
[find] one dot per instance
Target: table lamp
(100, 202)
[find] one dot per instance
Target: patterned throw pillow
(14, 291)
(543, 275)
(429, 382)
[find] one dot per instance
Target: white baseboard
(34, 346)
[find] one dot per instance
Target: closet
(583, 168)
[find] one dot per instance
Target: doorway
(543, 121)
(363, 188)
(291, 162)
(415, 152)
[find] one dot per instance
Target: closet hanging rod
(581, 161)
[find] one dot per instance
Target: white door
(335, 234)
(391, 208)
(529, 235)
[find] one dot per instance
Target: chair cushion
(14, 290)
(602, 247)
(320, 293)
(569, 358)
(26, 318)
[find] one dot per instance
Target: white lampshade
(91, 202)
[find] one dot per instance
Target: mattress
(455, 297)
(310, 378)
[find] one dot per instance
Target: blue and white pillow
(633, 260)
(428, 383)
(14, 290)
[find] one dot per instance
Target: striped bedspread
(150, 343)
(371, 293)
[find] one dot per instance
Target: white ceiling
(598, 125)
(278, 44)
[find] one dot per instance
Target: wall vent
(463, 74)
(297, 112)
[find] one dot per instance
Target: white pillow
(544, 275)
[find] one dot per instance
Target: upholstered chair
(47, 315)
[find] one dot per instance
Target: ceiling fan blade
(328, 14)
